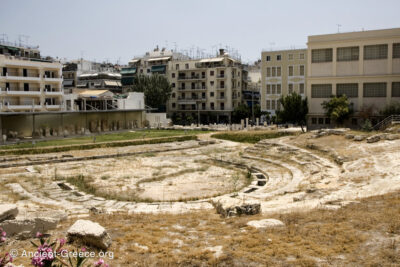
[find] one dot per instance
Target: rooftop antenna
(23, 39)
(338, 27)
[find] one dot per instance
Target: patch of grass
(41, 150)
(250, 137)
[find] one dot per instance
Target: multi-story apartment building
(282, 72)
(156, 61)
(73, 71)
(206, 89)
(27, 81)
(365, 66)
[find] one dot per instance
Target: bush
(367, 126)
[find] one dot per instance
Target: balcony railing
(196, 77)
(36, 92)
(194, 88)
(221, 88)
(221, 76)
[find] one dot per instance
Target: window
(290, 56)
(173, 95)
(268, 89)
(278, 89)
(212, 94)
(268, 72)
(268, 104)
(396, 50)
(268, 58)
(301, 56)
(301, 86)
(290, 88)
(321, 55)
(313, 120)
(301, 70)
(273, 71)
(173, 85)
(278, 57)
(26, 86)
(186, 66)
(290, 70)
(222, 106)
(320, 120)
(173, 105)
(278, 71)
(273, 89)
(203, 95)
(203, 74)
(347, 53)
(141, 70)
(212, 83)
(272, 104)
(148, 70)
(348, 89)
(203, 106)
(211, 73)
(321, 90)
(203, 85)
(374, 90)
(173, 75)
(396, 89)
(375, 51)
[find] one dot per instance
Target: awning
(127, 80)
(206, 60)
(127, 71)
(159, 68)
(134, 61)
(88, 75)
(158, 59)
(68, 82)
(82, 84)
(97, 84)
(95, 93)
(112, 83)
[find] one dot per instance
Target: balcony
(54, 93)
(21, 78)
(49, 79)
(221, 88)
(196, 77)
(51, 107)
(21, 93)
(221, 76)
(221, 98)
(22, 107)
(191, 89)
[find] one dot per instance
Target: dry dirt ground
(338, 199)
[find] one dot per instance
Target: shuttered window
(396, 50)
(375, 51)
(396, 89)
(321, 90)
(347, 53)
(348, 89)
(321, 55)
(374, 90)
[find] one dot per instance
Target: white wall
(133, 101)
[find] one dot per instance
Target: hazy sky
(120, 29)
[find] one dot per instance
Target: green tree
(242, 111)
(294, 110)
(338, 108)
(156, 89)
(391, 109)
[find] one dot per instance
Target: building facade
(282, 72)
(364, 66)
(206, 89)
(29, 82)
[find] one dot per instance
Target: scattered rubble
(90, 233)
(265, 223)
(8, 211)
(228, 206)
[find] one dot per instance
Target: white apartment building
(29, 82)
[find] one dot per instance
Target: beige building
(29, 82)
(365, 66)
(206, 89)
(282, 72)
